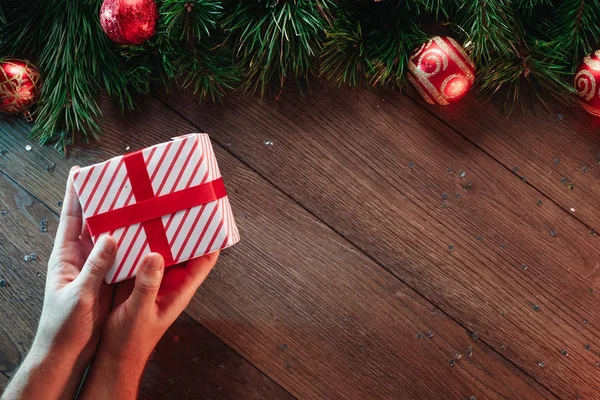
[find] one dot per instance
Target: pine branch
(489, 25)
(276, 40)
(343, 59)
(186, 51)
(577, 28)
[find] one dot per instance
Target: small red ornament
(128, 21)
(586, 83)
(19, 85)
(441, 71)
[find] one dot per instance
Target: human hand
(76, 303)
(76, 299)
(143, 309)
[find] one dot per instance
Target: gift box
(168, 198)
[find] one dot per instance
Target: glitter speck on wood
(564, 352)
(462, 174)
(571, 186)
(585, 321)
(444, 196)
(419, 336)
(535, 307)
(523, 267)
(28, 147)
(556, 160)
(479, 237)
(584, 169)
(450, 248)
(2, 282)
(560, 116)
(411, 164)
(541, 364)
(564, 180)
(269, 142)
(452, 363)
(587, 347)
(539, 202)
(429, 334)
(474, 336)
(553, 233)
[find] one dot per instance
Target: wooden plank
(176, 365)
(3, 382)
(377, 171)
(551, 148)
(299, 302)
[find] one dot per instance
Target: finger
(147, 281)
(70, 224)
(98, 263)
(198, 269)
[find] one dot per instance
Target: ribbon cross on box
(169, 199)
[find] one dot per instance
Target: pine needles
(213, 46)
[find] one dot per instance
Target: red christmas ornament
(128, 21)
(19, 85)
(586, 83)
(441, 71)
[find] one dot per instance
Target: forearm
(45, 374)
(113, 377)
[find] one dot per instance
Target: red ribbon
(149, 208)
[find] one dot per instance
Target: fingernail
(106, 244)
(153, 262)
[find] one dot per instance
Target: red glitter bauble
(19, 85)
(441, 71)
(128, 21)
(587, 78)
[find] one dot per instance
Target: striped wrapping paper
(178, 166)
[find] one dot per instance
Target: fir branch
(389, 51)
(489, 25)
(343, 59)
(75, 61)
(276, 40)
(576, 28)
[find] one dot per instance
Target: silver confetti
(541, 364)
(560, 116)
(411, 164)
(539, 202)
(462, 174)
(452, 363)
(28, 148)
(450, 248)
(429, 334)
(564, 352)
(535, 307)
(587, 347)
(474, 335)
(27, 257)
(269, 142)
(584, 169)
(553, 233)
(444, 196)
(556, 160)
(523, 267)
(564, 180)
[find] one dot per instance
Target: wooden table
(390, 249)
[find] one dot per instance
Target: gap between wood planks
(4, 378)
(468, 139)
(355, 245)
(478, 373)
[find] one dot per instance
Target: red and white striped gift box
(167, 198)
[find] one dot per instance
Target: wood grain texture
(297, 300)
(545, 147)
(177, 365)
(387, 176)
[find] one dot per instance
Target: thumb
(99, 261)
(147, 281)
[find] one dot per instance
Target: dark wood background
(390, 249)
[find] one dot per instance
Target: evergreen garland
(213, 46)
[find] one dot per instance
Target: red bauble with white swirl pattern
(128, 21)
(441, 71)
(587, 78)
(19, 85)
